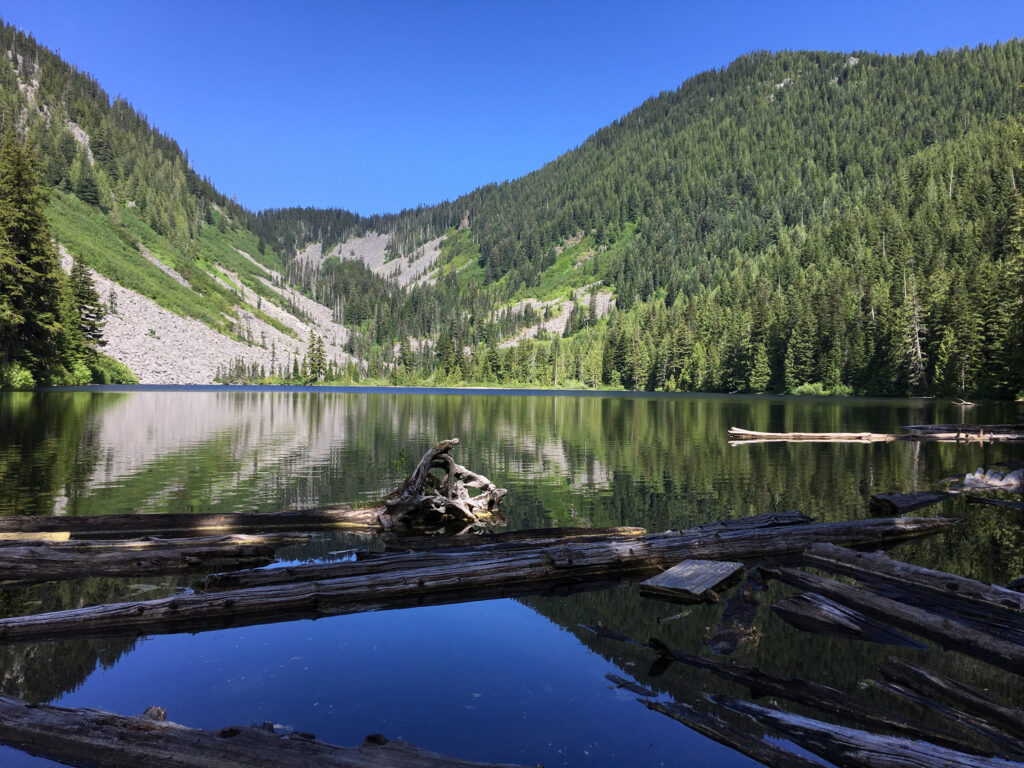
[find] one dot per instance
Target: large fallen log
(738, 435)
(813, 613)
(730, 736)
(939, 627)
(458, 573)
(952, 433)
(35, 562)
(92, 738)
(858, 749)
(900, 503)
(156, 542)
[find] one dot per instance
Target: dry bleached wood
(691, 579)
(92, 738)
(538, 567)
(939, 432)
(855, 748)
(426, 498)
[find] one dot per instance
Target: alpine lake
(505, 680)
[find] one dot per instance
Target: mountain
(813, 220)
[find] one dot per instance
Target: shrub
(14, 376)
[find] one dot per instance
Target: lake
(501, 680)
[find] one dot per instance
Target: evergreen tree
(87, 302)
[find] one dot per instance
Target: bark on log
(92, 738)
(813, 613)
(537, 567)
(730, 736)
(848, 747)
(957, 695)
(938, 627)
(900, 503)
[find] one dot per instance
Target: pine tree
(30, 276)
(87, 302)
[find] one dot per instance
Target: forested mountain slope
(793, 218)
(187, 287)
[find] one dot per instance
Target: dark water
(508, 680)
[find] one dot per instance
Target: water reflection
(660, 462)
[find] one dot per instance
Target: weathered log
(737, 622)
(475, 538)
(939, 627)
(92, 738)
(98, 526)
(537, 567)
(31, 565)
(807, 693)
(691, 580)
(813, 613)
(426, 499)
(957, 433)
(959, 696)
(855, 748)
(156, 542)
(739, 435)
(730, 736)
(900, 503)
(877, 566)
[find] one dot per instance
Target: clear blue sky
(376, 106)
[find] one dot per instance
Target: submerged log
(691, 580)
(730, 736)
(396, 578)
(982, 603)
(737, 623)
(939, 627)
(1005, 503)
(899, 503)
(855, 748)
(956, 695)
(813, 613)
(95, 739)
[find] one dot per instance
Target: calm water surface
(502, 680)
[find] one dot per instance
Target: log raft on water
(95, 739)
(399, 579)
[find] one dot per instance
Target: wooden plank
(460, 573)
(855, 748)
(813, 613)
(691, 579)
(92, 738)
(899, 503)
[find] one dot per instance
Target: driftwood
(813, 613)
(426, 499)
(691, 580)
(40, 562)
(898, 503)
(953, 433)
(400, 579)
(730, 736)
(994, 480)
(956, 695)
(854, 748)
(939, 627)
(737, 622)
(95, 739)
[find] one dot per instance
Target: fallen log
(476, 538)
(156, 542)
(877, 566)
(956, 695)
(807, 693)
(739, 435)
(537, 567)
(854, 748)
(899, 503)
(952, 433)
(95, 739)
(730, 736)
(813, 613)
(939, 627)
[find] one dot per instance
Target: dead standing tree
(426, 498)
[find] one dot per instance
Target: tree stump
(426, 498)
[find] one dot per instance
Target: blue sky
(377, 106)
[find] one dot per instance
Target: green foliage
(15, 376)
